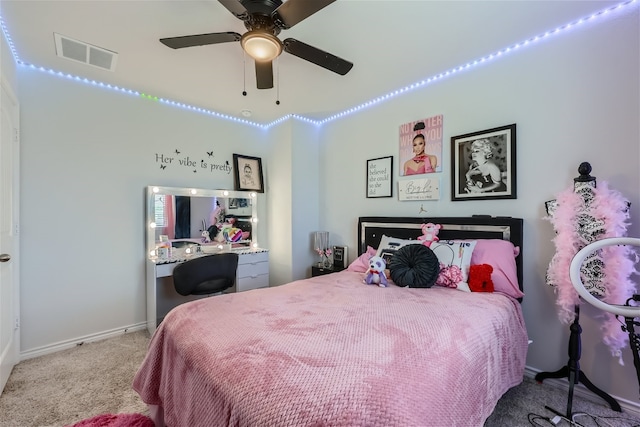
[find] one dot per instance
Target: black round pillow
(415, 266)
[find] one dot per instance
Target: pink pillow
(361, 264)
(501, 255)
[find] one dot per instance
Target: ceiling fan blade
(235, 7)
(294, 11)
(264, 74)
(317, 56)
(200, 39)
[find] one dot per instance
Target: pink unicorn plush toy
(429, 233)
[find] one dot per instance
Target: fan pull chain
(244, 73)
(277, 81)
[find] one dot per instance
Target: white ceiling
(392, 43)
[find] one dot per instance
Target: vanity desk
(206, 210)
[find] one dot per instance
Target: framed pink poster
(421, 146)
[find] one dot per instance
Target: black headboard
(371, 229)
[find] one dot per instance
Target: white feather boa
(609, 207)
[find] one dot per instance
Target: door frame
(13, 355)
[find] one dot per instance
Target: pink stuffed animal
(429, 233)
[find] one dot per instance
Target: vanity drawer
(252, 282)
(253, 269)
(165, 270)
(252, 258)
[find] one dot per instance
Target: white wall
(306, 187)
(294, 202)
(573, 99)
(87, 156)
(280, 202)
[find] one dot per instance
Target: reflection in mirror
(197, 219)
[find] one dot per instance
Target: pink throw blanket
(332, 351)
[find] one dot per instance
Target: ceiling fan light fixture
(261, 46)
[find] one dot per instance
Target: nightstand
(319, 271)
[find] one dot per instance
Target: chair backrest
(205, 275)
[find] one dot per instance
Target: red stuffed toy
(480, 278)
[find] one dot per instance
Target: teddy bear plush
(429, 233)
(375, 273)
(480, 278)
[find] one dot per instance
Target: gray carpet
(71, 385)
(65, 387)
(531, 397)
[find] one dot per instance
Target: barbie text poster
(421, 146)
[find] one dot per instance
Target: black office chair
(206, 275)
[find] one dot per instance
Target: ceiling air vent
(84, 52)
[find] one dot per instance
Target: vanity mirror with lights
(184, 223)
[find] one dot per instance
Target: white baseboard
(63, 345)
(584, 393)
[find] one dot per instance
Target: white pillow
(389, 245)
(455, 252)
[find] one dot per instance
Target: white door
(9, 268)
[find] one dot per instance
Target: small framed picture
(379, 177)
(248, 173)
(483, 164)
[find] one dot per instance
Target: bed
(333, 351)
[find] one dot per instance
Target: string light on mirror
(212, 207)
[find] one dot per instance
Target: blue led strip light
(485, 59)
(141, 95)
(628, 5)
(9, 40)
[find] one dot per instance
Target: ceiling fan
(264, 19)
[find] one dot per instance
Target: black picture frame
(248, 173)
(495, 177)
(379, 174)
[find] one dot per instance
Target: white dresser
(252, 273)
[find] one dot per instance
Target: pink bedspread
(332, 351)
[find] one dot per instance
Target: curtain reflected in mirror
(182, 225)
